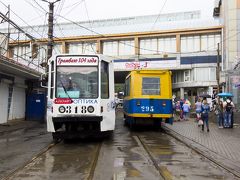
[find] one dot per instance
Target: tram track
(189, 143)
(90, 169)
(43, 151)
(164, 160)
(94, 163)
(163, 172)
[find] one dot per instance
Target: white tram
(80, 98)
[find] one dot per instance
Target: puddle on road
(66, 161)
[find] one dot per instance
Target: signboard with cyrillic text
(77, 60)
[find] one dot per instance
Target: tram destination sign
(77, 60)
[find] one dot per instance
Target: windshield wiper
(64, 88)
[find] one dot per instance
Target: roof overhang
(10, 66)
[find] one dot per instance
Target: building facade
(182, 42)
(228, 11)
(14, 89)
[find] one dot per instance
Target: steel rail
(164, 173)
(94, 163)
(218, 164)
(44, 150)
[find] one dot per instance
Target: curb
(216, 158)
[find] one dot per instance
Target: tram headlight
(138, 103)
(164, 104)
(90, 109)
(61, 109)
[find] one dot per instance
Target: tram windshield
(77, 82)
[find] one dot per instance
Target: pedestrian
(196, 98)
(204, 114)
(198, 109)
(178, 110)
(218, 109)
(186, 110)
(214, 95)
(181, 111)
(173, 108)
(189, 103)
(228, 113)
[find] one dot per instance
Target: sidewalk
(14, 125)
(220, 145)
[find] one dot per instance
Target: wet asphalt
(142, 153)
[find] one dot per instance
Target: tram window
(150, 86)
(127, 87)
(104, 80)
(52, 79)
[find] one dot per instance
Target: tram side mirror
(44, 80)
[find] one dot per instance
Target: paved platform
(219, 145)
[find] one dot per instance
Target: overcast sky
(34, 12)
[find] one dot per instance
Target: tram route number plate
(72, 109)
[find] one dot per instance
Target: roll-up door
(4, 102)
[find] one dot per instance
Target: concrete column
(99, 47)
(182, 93)
(64, 47)
(137, 49)
(178, 41)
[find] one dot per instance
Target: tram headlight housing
(90, 109)
(61, 109)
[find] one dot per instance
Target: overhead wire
(60, 7)
(73, 5)
(104, 36)
(39, 5)
(22, 55)
(45, 19)
(160, 12)
(20, 18)
(125, 43)
(34, 6)
(89, 23)
(26, 54)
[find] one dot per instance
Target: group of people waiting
(224, 112)
(182, 109)
(222, 109)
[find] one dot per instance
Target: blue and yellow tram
(148, 97)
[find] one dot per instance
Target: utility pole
(8, 38)
(50, 30)
(218, 70)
